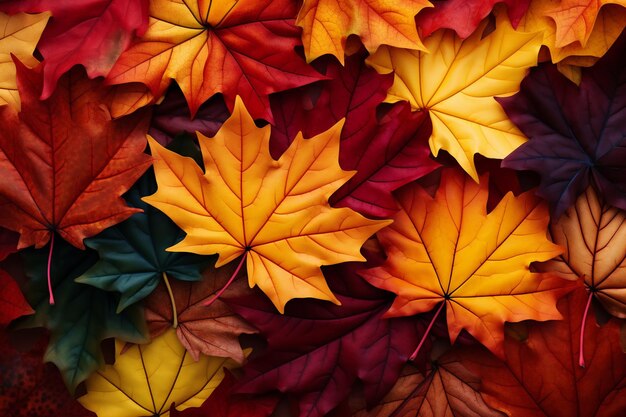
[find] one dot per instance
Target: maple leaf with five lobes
(327, 24)
(274, 212)
(457, 81)
(211, 47)
(448, 249)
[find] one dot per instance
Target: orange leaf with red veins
(594, 237)
(64, 164)
(327, 24)
(215, 47)
(448, 249)
(273, 212)
(575, 19)
(212, 330)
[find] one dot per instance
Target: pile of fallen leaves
(252, 208)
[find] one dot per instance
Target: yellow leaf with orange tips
(581, 44)
(276, 213)
(19, 35)
(594, 237)
(457, 81)
(326, 25)
(448, 249)
(146, 379)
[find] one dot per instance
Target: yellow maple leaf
(457, 81)
(326, 25)
(582, 46)
(19, 35)
(594, 237)
(146, 379)
(274, 212)
(448, 249)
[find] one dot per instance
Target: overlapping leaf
(210, 330)
(457, 81)
(19, 35)
(12, 301)
(317, 351)
(209, 48)
(326, 25)
(133, 258)
(386, 153)
(594, 237)
(464, 16)
(448, 249)
(149, 378)
(64, 162)
(30, 387)
(82, 316)
(576, 133)
(541, 376)
(92, 33)
(276, 213)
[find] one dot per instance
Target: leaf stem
(430, 326)
(581, 356)
(172, 301)
(230, 281)
(51, 300)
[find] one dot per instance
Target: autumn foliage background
(312, 208)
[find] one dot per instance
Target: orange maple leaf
(212, 47)
(274, 212)
(447, 248)
(327, 24)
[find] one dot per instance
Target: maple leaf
(66, 177)
(317, 351)
(575, 19)
(541, 376)
(171, 117)
(448, 249)
(327, 24)
(458, 94)
(222, 403)
(275, 213)
(12, 302)
(608, 25)
(30, 387)
(19, 36)
(594, 239)
(447, 389)
(208, 48)
(82, 316)
(464, 16)
(92, 33)
(132, 254)
(210, 330)
(386, 154)
(148, 378)
(576, 134)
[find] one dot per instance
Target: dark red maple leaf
(386, 153)
(576, 132)
(223, 403)
(463, 16)
(64, 162)
(318, 350)
(29, 387)
(541, 376)
(12, 301)
(92, 33)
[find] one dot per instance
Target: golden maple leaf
(147, 379)
(447, 248)
(275, 212)
(19, 36)
(594, 237)
(326, 25)
(457, 81)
